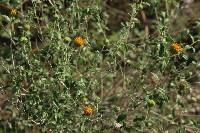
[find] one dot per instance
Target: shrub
(64, 70)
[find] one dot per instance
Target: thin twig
(174, 123)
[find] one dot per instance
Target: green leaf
(121, 117)
(82, 127)
(162, 50)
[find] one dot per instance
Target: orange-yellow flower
(13, 11)
(88, 110)
(79, 41)
(176, 47)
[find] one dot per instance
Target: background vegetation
(99, 66)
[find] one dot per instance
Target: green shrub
(64, 70)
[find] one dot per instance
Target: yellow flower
(13, 11)
(79, 41)
(176, 47)
(88, 110)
